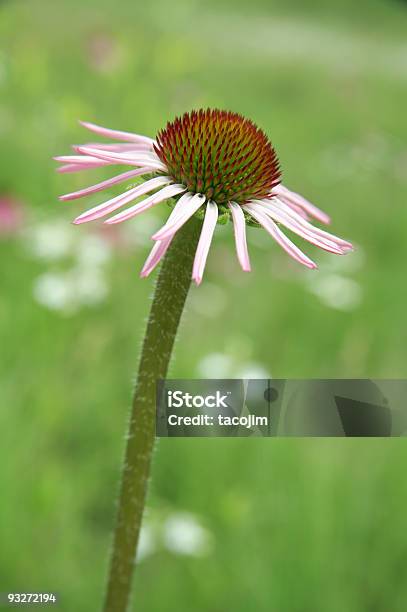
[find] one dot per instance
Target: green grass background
(297, 525)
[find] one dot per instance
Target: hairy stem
(168, 303)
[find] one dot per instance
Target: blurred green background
(285, 525)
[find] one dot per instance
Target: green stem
(170, 294)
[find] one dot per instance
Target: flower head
(213, 163)
(219, 154)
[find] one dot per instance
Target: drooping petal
(176, 221)
(178, 209)
(305, 230)
(156, 254)
(69, 168)
(279, 237)
(294, 208)
(160, 247)
(120, 178)
(167, 192)
(119, 147)
(344, 245)
(87, 161)
(299, 200)
(205, 239)
(106, 207)
(115, 134)
(239, 226)
(146, 158)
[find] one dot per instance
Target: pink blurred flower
(216, 165)
(11, 215)
(103, 52)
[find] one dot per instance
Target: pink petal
(344, 245)
(305, 230)
(160, 247)
(296, 209)
(118, 148)
(156, 254)
(279, 237)
(67, 168)
(178, 209)
(136, 159)
(120, 178)
(202, 250)
(239, 226)
(298, 200)
(115, 134)
(167, 192)
(175, 222)
(82, 160)
(103, 209)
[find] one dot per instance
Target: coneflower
(212, 163)
(211, 166)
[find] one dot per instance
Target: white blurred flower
(90, 286)
(147, 543)
(55, 291)
(343, 265)
(93, 250)
(252, 370)
(333, 286)
(52, 240)
(210, 301)
(66, 292)
(184, 535)
(180, 533)
(218, 365)
(337, 291)
(83, 284)
(215, 365)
